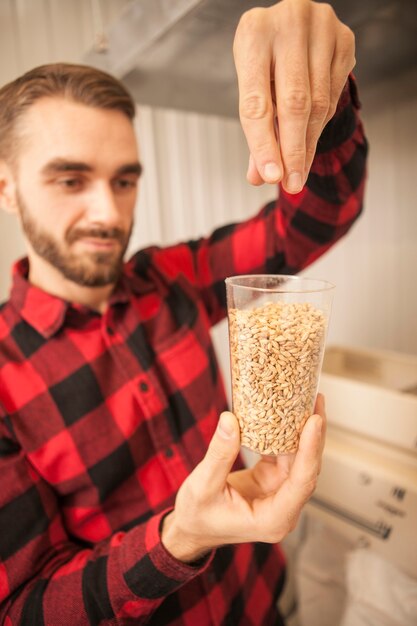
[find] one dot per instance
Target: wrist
(178, 544)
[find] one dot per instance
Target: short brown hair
(79, 83)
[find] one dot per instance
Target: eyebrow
(63, 165)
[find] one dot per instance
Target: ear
(8, 198)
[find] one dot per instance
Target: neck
(49, 279)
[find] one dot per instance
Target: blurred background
(175, 57)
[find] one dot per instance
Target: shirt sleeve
(46, 578)
(289, 233)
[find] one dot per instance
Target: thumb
(221, 454)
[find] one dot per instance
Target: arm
(45, 574)
(287, 234)
(293, 60)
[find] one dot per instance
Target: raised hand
(292, 61)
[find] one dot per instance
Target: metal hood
(178, 53)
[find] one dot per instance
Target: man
(112, 509)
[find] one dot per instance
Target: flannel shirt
(104, 415)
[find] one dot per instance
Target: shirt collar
(43, 311)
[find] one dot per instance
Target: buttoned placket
(149, 396)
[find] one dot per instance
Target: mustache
(97, 232)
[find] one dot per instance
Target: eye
(125, 184)
(70, 183)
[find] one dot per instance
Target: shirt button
(169, 452)
(110, 331)
(143, 386)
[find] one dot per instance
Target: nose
(102, 206)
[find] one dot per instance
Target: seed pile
(276, 352)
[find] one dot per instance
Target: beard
(93, 269)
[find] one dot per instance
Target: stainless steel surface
(178, 53)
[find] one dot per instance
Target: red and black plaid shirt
(103, 417)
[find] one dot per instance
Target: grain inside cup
(276, 352)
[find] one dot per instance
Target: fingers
(212, 473)
(331, 61)
(307, 464)
(321, 53)
(253, 55)
(279, 513)
(301, 51)
(307, 460)
(292, 83)
(342, 64)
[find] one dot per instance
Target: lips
(101, 244)
(101, 237)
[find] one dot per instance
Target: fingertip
(252, 176)
(227, 426)
(255, 181)
(272, 172)
(294, 183)
(314, 424)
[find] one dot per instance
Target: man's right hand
(215, 506)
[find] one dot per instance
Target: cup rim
(325, 285)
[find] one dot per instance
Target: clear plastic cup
(277, 331)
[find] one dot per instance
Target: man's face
(76, 185)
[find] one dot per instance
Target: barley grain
(276, 351)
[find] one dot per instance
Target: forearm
(125, 577)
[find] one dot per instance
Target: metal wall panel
(33, 32)
(195, 180)
(9, 49)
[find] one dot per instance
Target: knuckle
(332, 110)
(310, 152)
(249, 23)
(251, 18)
(347, 43)
(296, 101)
(262, 150)
(319, 107)
(333, 107)
(327, 8)
(327, 13)
(330, 116)
(254, 106)
(295, 153)
(348, 34)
